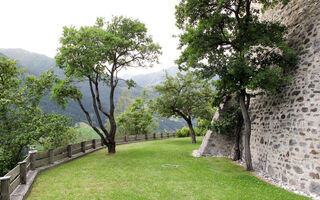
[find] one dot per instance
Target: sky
(36, 25)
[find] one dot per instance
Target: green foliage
(185, 132)
(63, 90)
(22, 122)
(227, 122)
(58, 132)
(226, 38)
(96, 54)
(204, 124)
(137, 119)
(24, 59)
(184, 96)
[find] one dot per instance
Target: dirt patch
(109, 154)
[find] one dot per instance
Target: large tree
(183, 96)
(226, 38)
(96, 54)
(22, 122)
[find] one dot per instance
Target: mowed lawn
(136, 172)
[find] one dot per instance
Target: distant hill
(37, 64)
(154, 78)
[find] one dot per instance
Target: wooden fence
(18, 175)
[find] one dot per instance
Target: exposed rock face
(285, 140)
(215, 144)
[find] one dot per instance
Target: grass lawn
(136, 172)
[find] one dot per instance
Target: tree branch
(90, 120)
(96, 109)
(98, 99)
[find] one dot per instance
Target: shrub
(185, 132)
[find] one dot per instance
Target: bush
(185, 132)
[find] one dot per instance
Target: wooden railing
(18, 175)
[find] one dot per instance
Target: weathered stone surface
(215, 144)
(315, 188)
(314, 175)
(298, 170)
(292, 142)
(285, 127)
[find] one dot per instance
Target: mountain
(155, 78)
(37, 64)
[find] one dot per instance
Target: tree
(226, 38)
(96, 54)
(138, 118)
(22, 122)
(183, 96)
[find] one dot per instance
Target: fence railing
(18, 175)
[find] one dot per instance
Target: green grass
(85, 132)
(136, 172)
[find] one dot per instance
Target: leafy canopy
(138, 118)
(183, 96)
(226, 38)
(22, 122)
(97, 54)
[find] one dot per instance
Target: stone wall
(215, 144)
(285, 140)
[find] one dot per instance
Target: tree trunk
(113, 129)
(247, 131)
(237, 155)
(112, 147)
(113, 125)
(192, 133)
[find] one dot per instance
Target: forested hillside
(37, 64)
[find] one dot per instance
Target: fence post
(83, 147)
(146, 136)
(69, 149)
(125, 138)
(5, 185)
(51, 156)
(33, 161)
(161, 135)
(168, 135)
(174, 134)
(154, 136)
(94, 143)
(23, 172)
(136, 138)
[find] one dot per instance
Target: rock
(298, 170)
(315, 188)
(196, 153)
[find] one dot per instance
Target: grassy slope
(136, 172)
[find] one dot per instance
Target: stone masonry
(285, 139)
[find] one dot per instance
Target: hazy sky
(36, 25)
